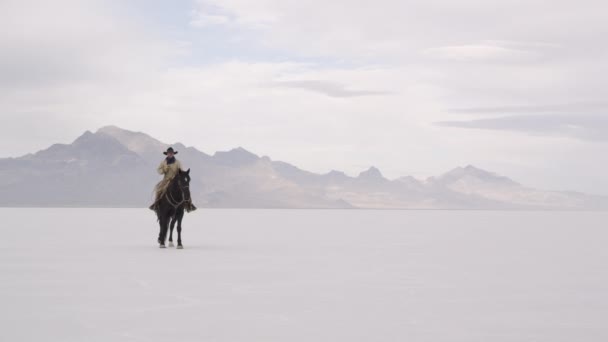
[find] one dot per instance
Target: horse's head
(183, 183)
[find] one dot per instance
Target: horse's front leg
(180, 216)
(164, 222)
(171, 226)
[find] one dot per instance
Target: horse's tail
(157, 214)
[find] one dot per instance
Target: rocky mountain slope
(117, 167)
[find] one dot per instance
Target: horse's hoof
(180, 247)
(162, 246)
(171, 244)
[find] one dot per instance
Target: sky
(411, 87)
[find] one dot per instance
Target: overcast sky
(411, 87)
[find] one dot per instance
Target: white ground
(304, 275)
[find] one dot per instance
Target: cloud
(395, 30)
(331, 89)
(217, 13)
(208, 14)
(66, 41)
(583, 127)
(587, 107)
(586, 121)
(65, 63)
(202, 20)
(250, 73)
(483, 52)
(523, 44)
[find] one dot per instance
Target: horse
(170, 208)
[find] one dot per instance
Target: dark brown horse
(171, 206)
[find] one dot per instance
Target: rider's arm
(162, 168)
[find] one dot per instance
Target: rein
(175, 204)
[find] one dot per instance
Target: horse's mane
(174, 179)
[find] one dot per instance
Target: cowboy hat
(170, 149)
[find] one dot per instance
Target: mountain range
(114, 167)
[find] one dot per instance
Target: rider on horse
(169, 167)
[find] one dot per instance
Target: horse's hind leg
(179, 216)
(171, 226)
(160, 231)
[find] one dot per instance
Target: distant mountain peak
(237, 151)
(110, 128)
(474, 172)
(470, 169)
(137, 142)
(235, 157)
(88, 146)
(118, 132)
(90, 138)
(87, 135)
(336, 173)
(335, 176)
(372, 173)
(242, 151)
